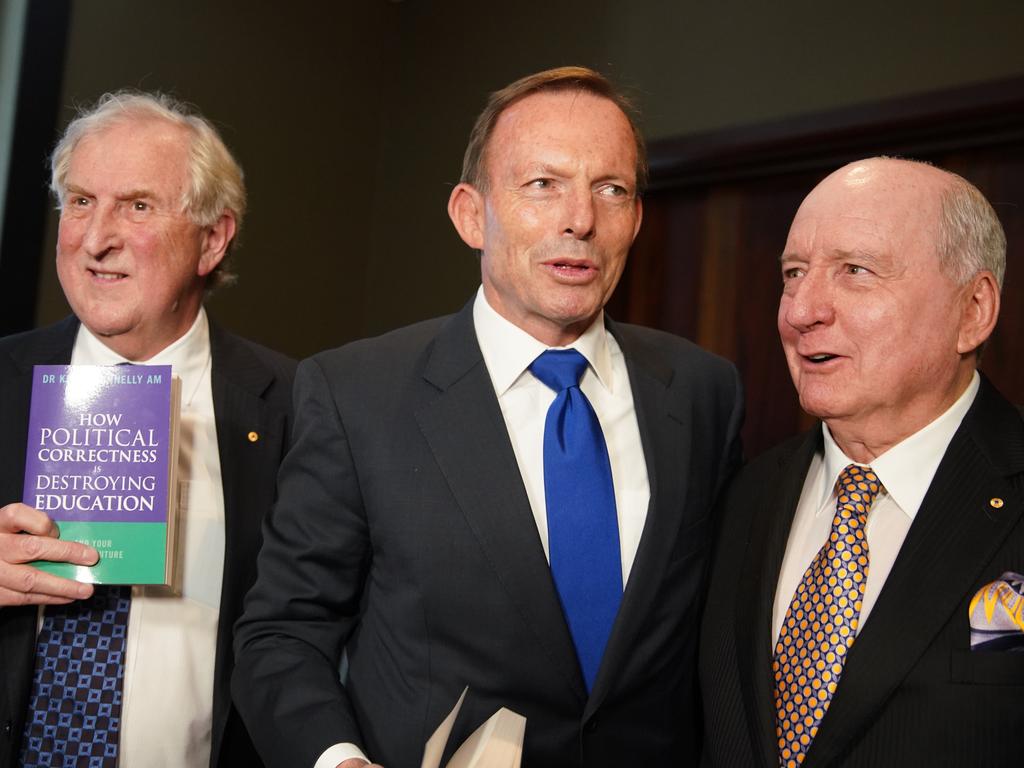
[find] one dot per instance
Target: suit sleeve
(305, 602)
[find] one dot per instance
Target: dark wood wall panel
(705, 265)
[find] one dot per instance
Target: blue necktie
(74, 715)
(583, 530)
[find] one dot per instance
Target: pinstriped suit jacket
(912, 692)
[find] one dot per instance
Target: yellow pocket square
(997, 615)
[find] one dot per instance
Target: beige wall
(350, 117)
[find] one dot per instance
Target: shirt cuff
(339, 753)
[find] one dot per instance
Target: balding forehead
(894, 173)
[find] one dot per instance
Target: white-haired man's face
(131, 262)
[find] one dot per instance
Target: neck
(865, 438)
(140, 347)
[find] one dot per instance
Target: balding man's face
(870, 323)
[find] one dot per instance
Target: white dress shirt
(524, 400)
(172, 640)
(905, 470)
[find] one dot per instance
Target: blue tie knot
(559, 369)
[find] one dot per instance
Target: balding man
(866, 587)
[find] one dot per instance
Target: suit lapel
(774, 506)
(665, 433)
(238, 380)
(463, 425)
(954, 535)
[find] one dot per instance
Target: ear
(980, 312)
(216, 239)
(466, 210)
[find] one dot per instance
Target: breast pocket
(987, 667)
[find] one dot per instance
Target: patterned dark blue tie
(583, 529)
(74, 716)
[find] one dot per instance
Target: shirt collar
(906, 470)
(508, 350)
(187, 355)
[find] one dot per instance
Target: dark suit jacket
(912, 692)
(404, 535)
(251, 392)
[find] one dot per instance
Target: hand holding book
(26, 534)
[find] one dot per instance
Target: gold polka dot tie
(821, 622)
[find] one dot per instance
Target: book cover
(101, 462)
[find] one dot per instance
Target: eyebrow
(838, 254)
(858, 254)
(133, 194)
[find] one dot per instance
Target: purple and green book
(101, 462)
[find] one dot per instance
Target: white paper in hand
(498, 743)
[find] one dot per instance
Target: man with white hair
(150, 203)
(866, 591)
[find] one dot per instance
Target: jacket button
(7, 728)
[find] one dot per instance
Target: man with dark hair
(514, 498)
(150, 202)
(867, 584)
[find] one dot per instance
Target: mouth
(571, 269)
(823, 362)
(106, 276)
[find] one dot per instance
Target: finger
(23, 584)
(18, 517)
(10, 598)
(25, 548)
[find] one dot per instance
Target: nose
(808, 301)
(580, 215)
(101, 231)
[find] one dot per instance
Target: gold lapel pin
(254, 436)
(995, 503)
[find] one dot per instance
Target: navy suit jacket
(912, 691)
(404, 535)
(251, 392)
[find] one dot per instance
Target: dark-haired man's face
(560, 212)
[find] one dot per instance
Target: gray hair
(216, 183)
(971, 238)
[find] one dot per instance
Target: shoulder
(388, 353)
(638, 341)
(244, 365)
(224, 342)
(693, 374)
(40, 343)
(777, 463)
